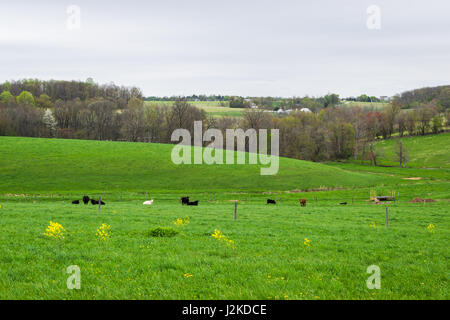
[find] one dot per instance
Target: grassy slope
(53, 165)
(429, 158)
(430, 151)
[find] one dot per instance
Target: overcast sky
(251, 48)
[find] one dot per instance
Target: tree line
(414, 98)
(45, 93)
(329, 133)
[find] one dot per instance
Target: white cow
(148, 203)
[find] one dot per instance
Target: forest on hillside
(86, 110)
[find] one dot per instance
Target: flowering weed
(222, 238)
(55, 230)
(104, 232)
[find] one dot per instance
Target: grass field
(55, 165)
(429, 157)
(366, 105)
(283, 251)
(214, 108)
(430, 151)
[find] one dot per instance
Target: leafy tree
(424, 115)
(44, 101)
(238, 102)
(363, 98)
(25, 97)
(5, 97)
(437, 124)
(331, 100)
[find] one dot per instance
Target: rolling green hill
(55, 165)
(429, 158)
(430, 151)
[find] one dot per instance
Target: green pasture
(214, 108)
(278, 252)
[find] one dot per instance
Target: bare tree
(401, 154)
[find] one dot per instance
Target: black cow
(86, 199)
(184, 200)
(193, 203)
(76, 202)
(343, 203)
(270, 201)
(94, 202)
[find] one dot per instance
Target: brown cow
(303, 202)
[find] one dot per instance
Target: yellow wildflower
(181, 222)
(307, 242)
(221, 237)
(104, 232)
(55, 230)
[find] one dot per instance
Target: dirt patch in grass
(420, 200)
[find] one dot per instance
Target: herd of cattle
(86, 200)
(302, 202)
(184, 201)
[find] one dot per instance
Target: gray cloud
(281, 48)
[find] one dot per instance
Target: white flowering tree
(50, 122)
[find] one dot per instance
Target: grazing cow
(184, 200)
(303, 202)
(94, 202)
(343, 203)
(270, 201)
(86, 199)
(148, 203)
(76, 202)
(193, 203)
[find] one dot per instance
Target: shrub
(162, 232)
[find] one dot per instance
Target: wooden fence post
(235, 210)
(387, 217)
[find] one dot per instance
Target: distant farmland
(365, 105)
(214, 108)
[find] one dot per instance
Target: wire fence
(286, 199)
